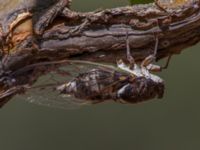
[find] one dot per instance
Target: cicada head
(141, 89)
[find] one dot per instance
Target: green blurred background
(172, 123)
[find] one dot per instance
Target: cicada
(98, 85)
(78, 83)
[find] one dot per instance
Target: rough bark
(91, 35)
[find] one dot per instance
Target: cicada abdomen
(95, 85)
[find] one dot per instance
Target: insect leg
(149, 59)
(157, 68)
(147, 62)
(128, 52)
(167, 62)
(152, 67)
(130, 58)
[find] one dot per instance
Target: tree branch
(91, 35)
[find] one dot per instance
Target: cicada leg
(147, 62)
(131, 60)
(129, 57)
(167, 62)
(151, 58)
(157, 68)
(128, 52)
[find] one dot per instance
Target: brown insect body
(100, 85)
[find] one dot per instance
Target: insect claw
(120, 62)
(154, 68)
(148, 60)
(157, 68)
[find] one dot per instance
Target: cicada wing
(44, 92)
(52, 98)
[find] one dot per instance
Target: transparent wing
(51, 98)
(43, 91)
